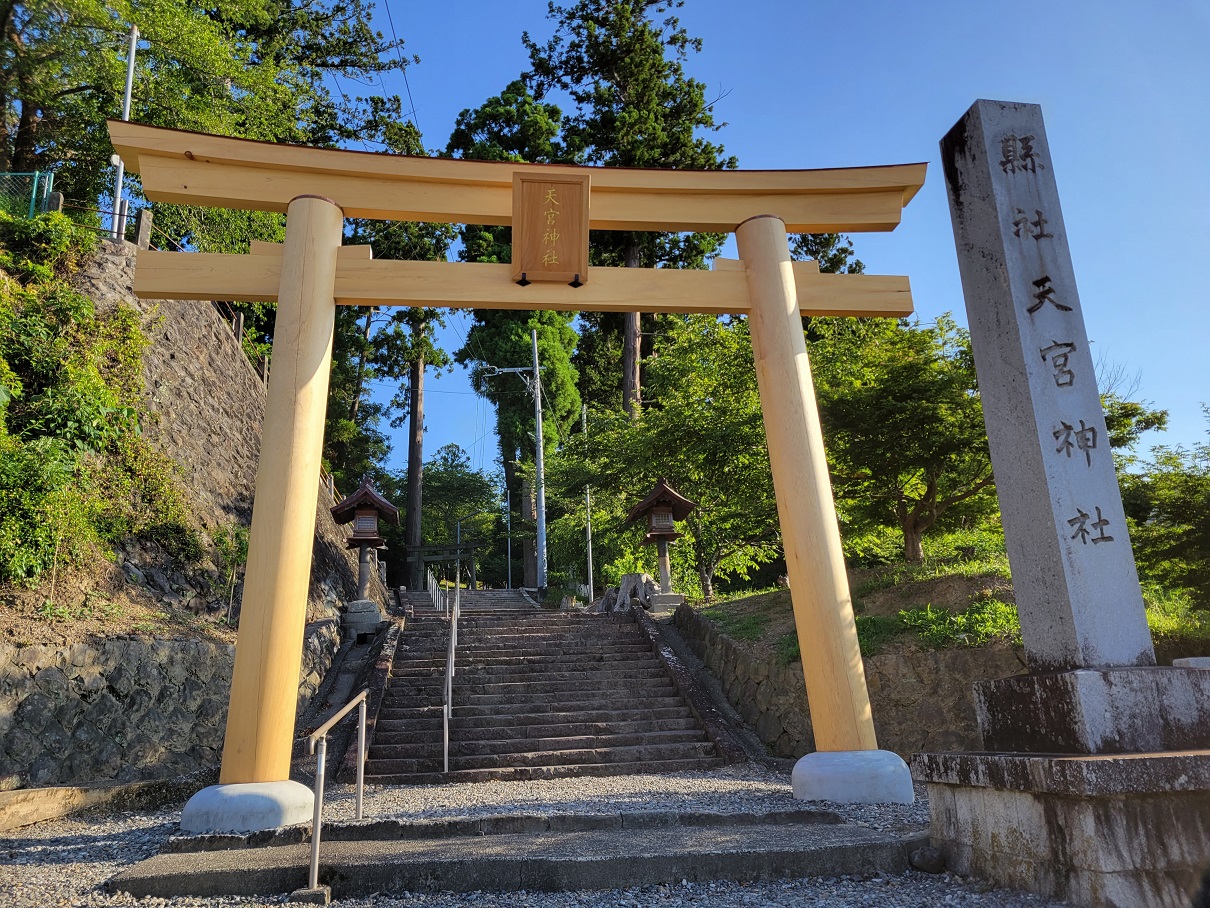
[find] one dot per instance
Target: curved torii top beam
(199, 169)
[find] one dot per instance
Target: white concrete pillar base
(247, 807)
(853, 777)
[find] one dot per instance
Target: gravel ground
(64, 862)
(734, 789)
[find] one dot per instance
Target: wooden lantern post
(364, 508)
(662, 507)
(269, 655)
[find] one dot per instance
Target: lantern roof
(364, 498)
(663, 495)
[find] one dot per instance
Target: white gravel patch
(65, 862)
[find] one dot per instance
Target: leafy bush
(873, 549)
(976, 625)
(77, 471)
(1174, 615)
(42, 247)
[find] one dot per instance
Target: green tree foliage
(1168, 503)
(621, 63)
(274, 70)
(76, 470)
(904, 424)
(703, 433)
(453, 490)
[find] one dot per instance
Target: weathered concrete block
(1104, 832)
(1127, 710)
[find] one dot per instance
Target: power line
(403, 67)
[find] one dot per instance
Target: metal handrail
(321, 735)
(448, 690)
(435, 592)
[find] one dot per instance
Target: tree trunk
(415, 470)
(632, 397)
(529, 509)
(706, 578)
(913, 547)
(361, 369)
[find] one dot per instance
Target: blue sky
(1124, 89)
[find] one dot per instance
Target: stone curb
(376, 684)
(391, 829)
(27, 806)
(717, 729)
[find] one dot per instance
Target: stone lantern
(662, 508)
(364, 508)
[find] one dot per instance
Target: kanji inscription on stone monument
(550, 228)
(1074, 576)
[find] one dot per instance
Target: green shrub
(873, 549)
(976, 625)
(1172, 615)
(42, 247)
(76, 470)
(876, 631)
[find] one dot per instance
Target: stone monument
(1047, 810)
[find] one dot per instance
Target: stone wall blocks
(36, 711)
(52, 682)
(69, 711)
(22, 747)
(44, 770)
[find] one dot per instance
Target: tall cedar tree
(514, 126)
(402, 349)
(621, 64)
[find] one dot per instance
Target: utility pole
(587, 502)
(118, 222)
(534, 384)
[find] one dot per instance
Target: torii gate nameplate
(310, 274)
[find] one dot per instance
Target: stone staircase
(537, 694)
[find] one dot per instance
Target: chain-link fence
(25, 194)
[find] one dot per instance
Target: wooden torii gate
(312, 273)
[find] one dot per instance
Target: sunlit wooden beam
(361, 281)
(199, 169)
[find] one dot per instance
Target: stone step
(536, 861)
(473, 681)
(533, 773)
(537, 725)
(641, 753)
(411, 668)
(411, 749)
(563, 698)
(489, 654)
(423, 730)
(543, 706)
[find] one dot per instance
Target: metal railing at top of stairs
(448, 691)
(321, 735)
(436, 593)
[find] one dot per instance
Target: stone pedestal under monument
(1123, 830)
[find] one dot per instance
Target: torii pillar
(254, 790)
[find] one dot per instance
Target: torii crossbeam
(312, 273)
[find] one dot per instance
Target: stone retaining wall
(922, 701)
(125, 709)
(207, 409)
